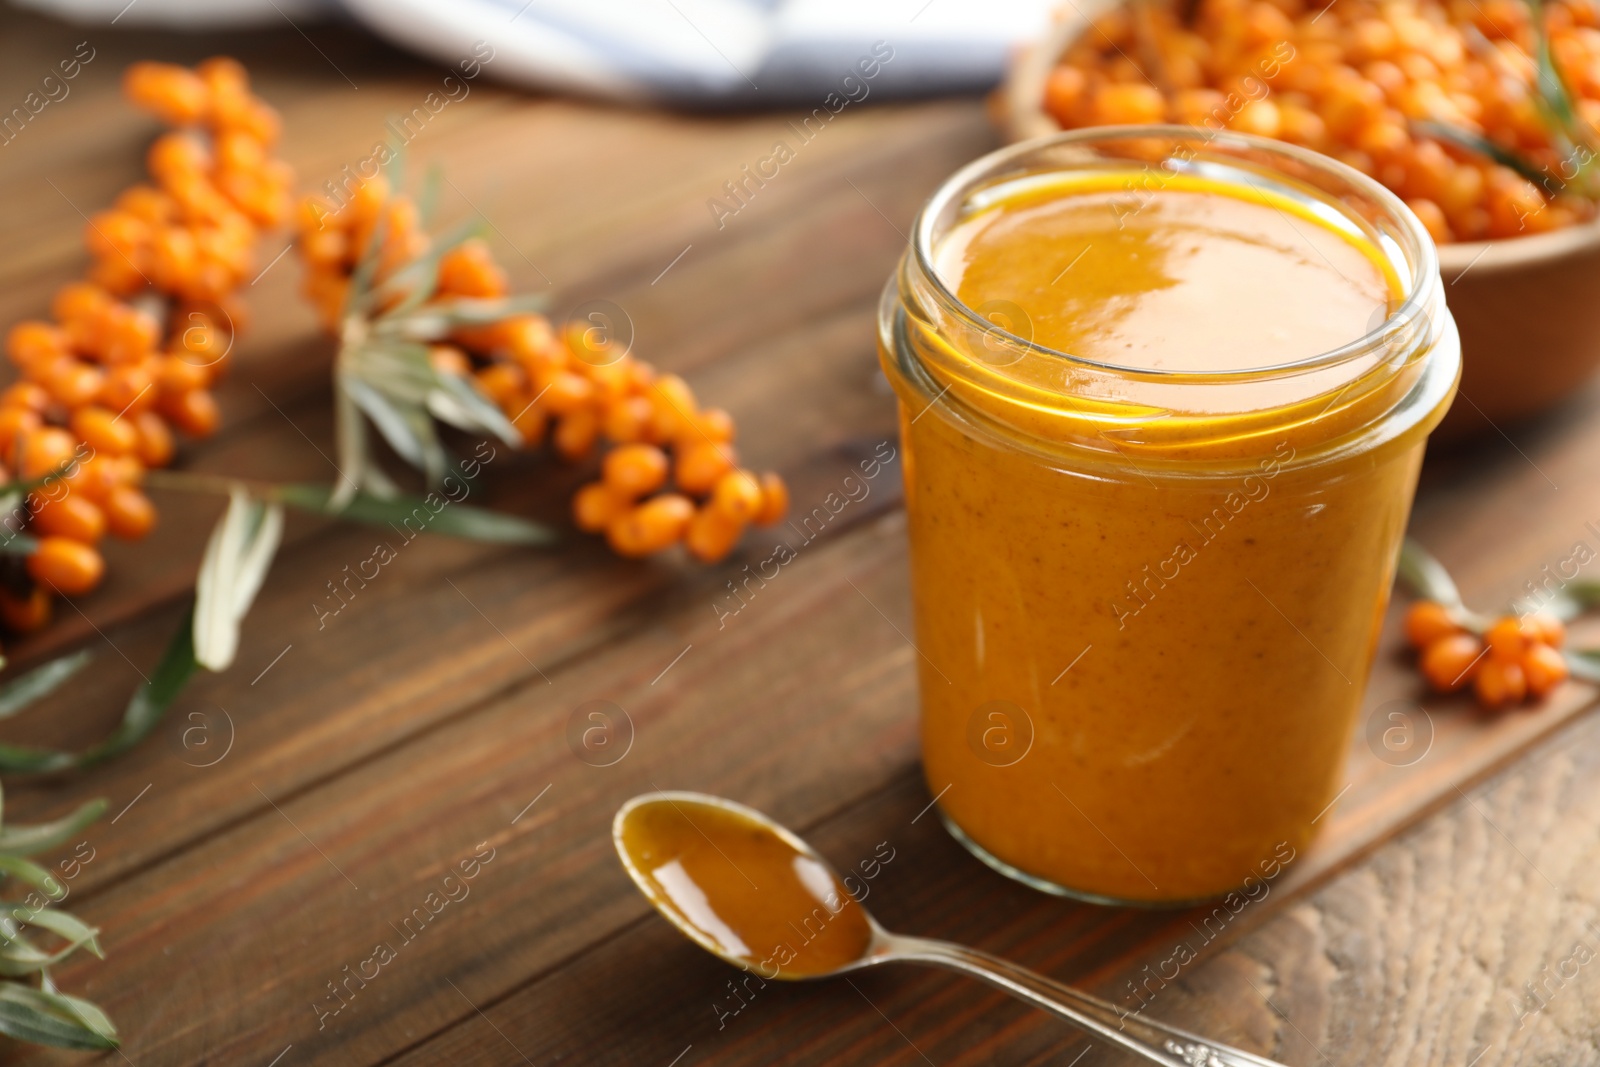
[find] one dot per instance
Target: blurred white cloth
(744, 53)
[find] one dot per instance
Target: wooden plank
(815, 443)
(440, 732)
(396, 823)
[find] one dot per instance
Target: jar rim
(1421, 288)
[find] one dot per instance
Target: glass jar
(1146, 601)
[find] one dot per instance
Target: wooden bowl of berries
(1480, 119)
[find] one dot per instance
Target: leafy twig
(43, 1014)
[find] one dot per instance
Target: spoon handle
(1154, 1041)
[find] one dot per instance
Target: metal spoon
(697, 880)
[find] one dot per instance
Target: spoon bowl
(748, 890)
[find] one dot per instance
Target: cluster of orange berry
(572, 385)
(133, 352)
(1351, 79)
(1513, 660)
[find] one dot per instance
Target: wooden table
(294, 812)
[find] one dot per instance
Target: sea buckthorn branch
(34, 936)
(427, 331)
(1508, 658)
(133, 352)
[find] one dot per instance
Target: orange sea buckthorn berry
(174, 258)
(329, 247)
(501, 382)
(566, 393)
(576, 433)
(1542, 626)
(224, 76)
(29, 395)
(1426, 621)
(737, 496)
(656, 524)
(528, 336)
(531, 422)
(674, 404)
(79, 301)
(176, 156)
(597, 505)
(194, 412)
(237, 150)
(14, 423)
(23, 614)
(1131, 103)
(700, 464)
(1500, 682)
(711, 535)
(104, 431)
(32, 343)
(96, 476)
(128, 388)
(470, 270)
(1193, 107)
(1433, 219)
(1260, 117)
(129, 334)
(1064, 92)
(156, 445)
(1451, 662)
(73, 383)
(67, 566)
(47, 450)
(129, 513)
(147, 203)
(68, 515)
(635, 469)
(173, 94)
(628, 419)
(712, 424)
(1544, 669)
(774, 500)
(1506, 637)
(111, 234)
(176, 375)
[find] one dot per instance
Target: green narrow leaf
(436, 321)
(428, 198)
(457, 520)
(41, 837)
(213, 591)
(151, 700)
(24, 689)
(397, 368)
(26, 759)
(145, 709)
(393, 424)
(29, 1014)
(31, 874)
(73, 931)
(359, 295)
(1554, 96)
(19, 544)
(457, 401)
(350, 432)
(1584, 663)
(379, 484)
(1481, 145)
(1426, 576)
(235, 563)
(88, 1014)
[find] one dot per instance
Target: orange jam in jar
(1164, 396)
